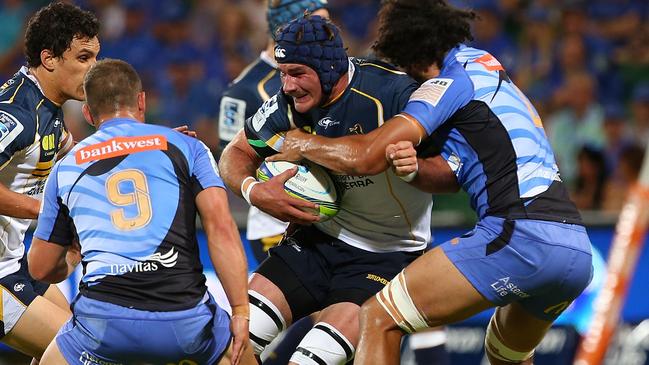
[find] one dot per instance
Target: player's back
(130, 189)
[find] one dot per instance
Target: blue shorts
(542, 265)
(105, 333)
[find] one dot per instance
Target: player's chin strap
(499, 350)
(394, 298)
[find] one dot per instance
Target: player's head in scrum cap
(312, 59)
(113, 89)
(415, 34)
(60, 45)
(281, 12)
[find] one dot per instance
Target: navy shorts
(543, 265)
(18, 291)
(314, 270)
(105, 333)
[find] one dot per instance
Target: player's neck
(339, 88)
(47, 84)
(121, 114)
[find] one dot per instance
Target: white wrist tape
(245, 192)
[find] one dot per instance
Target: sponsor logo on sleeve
(232, 116)
(490, 63)
(10, 128)
(120, 146)
(431, 91)
(267, 108)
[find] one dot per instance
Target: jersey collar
(116, 121)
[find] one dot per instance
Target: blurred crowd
(584, 65)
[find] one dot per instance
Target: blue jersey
(128, 193)
(31, 135)
(492, 138)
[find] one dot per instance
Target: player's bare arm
(17, 205)
(430, 174)
(229, 260)
(355, 154)
(238, 165)
(48, 261)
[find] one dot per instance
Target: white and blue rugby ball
(311, 183)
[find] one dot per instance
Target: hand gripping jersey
(378, 213)
(239, 102)
(492, 138)
(31, 133)
(128, 192)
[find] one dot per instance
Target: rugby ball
(311, 183)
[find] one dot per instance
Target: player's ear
(141, 102)
(87, 114)
(48, 59)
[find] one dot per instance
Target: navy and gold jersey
(492, 138)
(378, 213)
(127, 193)
(256, 84)
(31, 133)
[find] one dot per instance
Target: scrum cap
(281, 12)
(314, 42)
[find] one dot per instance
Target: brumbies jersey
(378, 213)
(492, 138)
(239, 102)
(128, 192)
(31, 131)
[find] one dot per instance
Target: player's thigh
(54, 295)
(53, 356)
(37, 327)
(440, 291)
(273, 293)
(518, 329)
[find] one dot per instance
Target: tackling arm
(352, 155)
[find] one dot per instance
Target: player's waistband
(83, 305)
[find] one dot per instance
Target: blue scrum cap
(281, 12)
(314, 42)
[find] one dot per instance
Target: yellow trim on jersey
(38, 119)
(382, 68)
(43, 169)
(535, 117)
(379, 106)
(273, 140)
(403, 210)
(260, 86)
(11, 99)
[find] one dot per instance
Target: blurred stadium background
(584, 64)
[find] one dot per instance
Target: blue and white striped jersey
(492, 138)
(128, 193)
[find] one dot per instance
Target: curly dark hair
(417, 33)
(54, 27)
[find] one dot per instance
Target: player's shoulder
(251, 75)
(380, 69)
(378, 77)
(17, 111)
